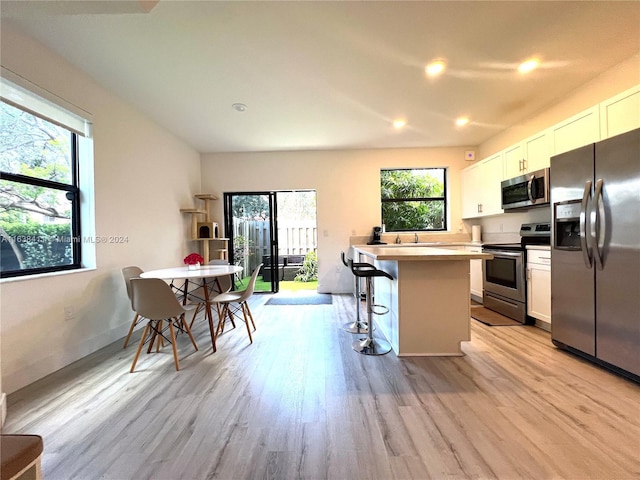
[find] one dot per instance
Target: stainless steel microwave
(526, 191)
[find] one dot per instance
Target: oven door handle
(498, 254)
(584, 244)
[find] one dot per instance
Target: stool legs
(370, 345)
(357, 326)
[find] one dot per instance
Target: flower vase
(193, 266)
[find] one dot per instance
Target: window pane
(413, 215)
(416, 183)
(34, 147)
(35, 224)
(414, 199)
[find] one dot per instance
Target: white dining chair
(230, 304)
(154, 300)
(216, 286)
(128, 273)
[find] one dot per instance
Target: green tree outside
(413, 199)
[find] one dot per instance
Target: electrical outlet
(69, 312)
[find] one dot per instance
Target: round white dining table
(199, 277)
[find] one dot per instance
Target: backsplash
(505, 228)
(390, 237)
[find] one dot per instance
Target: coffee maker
(376, 238)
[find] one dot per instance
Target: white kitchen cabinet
(620, 114)
(476, 274)
(513, 161)
(530, 155)
(537, 149)
(577, 131)
(539, 286)
(469, 183)
(481, 188)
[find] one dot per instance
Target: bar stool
(357, 326)
(370, 345)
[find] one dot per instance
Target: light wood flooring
(300, 404)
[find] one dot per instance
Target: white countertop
(417, 253)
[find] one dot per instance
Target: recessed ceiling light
(528, 65)
(239, 107)
(462, 121)
(435, 68)
(399, 123)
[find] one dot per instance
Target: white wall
(143, 176)
(607, 85)
(347, 185)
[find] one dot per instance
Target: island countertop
(412, 254)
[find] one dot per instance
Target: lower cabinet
(539, 286)
(476, 275)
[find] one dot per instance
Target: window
(414, 199)
(39, 187)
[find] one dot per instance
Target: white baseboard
(3, 407)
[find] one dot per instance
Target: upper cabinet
(528, 156)
(577, 131)
(621, 113)
(481, 194)
(513, 161)
(481, 188)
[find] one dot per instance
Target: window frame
(443, 198)
(72, 189)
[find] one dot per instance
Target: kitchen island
(428, 300)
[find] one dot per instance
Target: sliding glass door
(251, 226)
(277, 229)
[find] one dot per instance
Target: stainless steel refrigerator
(595, 255)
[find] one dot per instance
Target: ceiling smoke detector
(239, 107)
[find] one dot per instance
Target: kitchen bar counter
(411, 253)
(429, 299)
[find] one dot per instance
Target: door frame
(273, 230)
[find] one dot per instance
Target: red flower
(193, 259)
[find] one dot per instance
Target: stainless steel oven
(504, 281)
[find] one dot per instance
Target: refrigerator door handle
(598, 225)
(584, 243)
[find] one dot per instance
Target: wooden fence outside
(294, 238)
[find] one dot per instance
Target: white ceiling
(333, 75)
